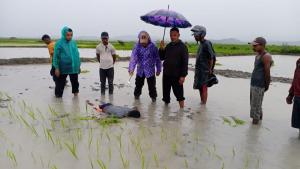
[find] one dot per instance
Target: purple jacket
(146, 59)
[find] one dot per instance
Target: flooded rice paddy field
(39, 131)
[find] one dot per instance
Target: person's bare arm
(98, 57)
(267, 59)
(114, 57)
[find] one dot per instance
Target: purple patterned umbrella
(166, 18)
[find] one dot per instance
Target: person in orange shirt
(50, 44)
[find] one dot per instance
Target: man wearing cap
(260, 79)
(205, 60)
(106, 56)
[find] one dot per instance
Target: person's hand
(157, 73)
(181, 80)
(210, 72)
(289, 100)
(162, 44)
(57, 73)
(130, 73)
(266, 88)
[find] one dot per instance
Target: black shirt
(176, 57)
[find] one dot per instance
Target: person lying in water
(115, 111)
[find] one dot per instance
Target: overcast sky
(241, 19)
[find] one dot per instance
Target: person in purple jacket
(145, 56)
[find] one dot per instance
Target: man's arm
(157, 61)
(210, 57)
(184, 61)
(114, 58)
(133, 61)
(98, 57)
(113, 54)
(162, 51)
(267, 66)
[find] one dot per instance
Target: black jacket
(176, 58)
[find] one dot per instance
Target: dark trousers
(139, 83)
(109, 75)
(296, 113)
(172, 82)
(60, 83)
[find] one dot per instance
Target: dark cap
(259, 41)
(104, 35)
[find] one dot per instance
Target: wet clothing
(172, 82)
(256, 100)
(258, 74)
(146, 59)
(115, 111)
(295, 87)
(109, 75)
(66, 55)
(60, 83)
(205, 54)
(106, 53)
(296, 113)
(175, 57)
(139, 83)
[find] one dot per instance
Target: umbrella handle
(165, 27)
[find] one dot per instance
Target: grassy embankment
(221, 49)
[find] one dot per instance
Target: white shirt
(106, 55)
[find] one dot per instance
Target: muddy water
(283, 65)
(8, 53)
(165, 137)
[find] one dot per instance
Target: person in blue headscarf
(66, 61)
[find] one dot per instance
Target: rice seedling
(246, 164)
(33, 157)
(48, 135)
(174, 148)
(41, 114)
(91, 162)
(84, 71)
(119, 138)
(62, 123)
(163, 135)
(54, 167)
(125, 162)
(72, 149)
(233, 152)
(223, 165)
(101, 164)
(90, 138)
(186, 164)
(79, 133)
(52, 111)
(12, 157)
(257, 164)
(142, 161)
(108, 121)
(238, 121)
(226, 121)
(31, 113)
(97, 147)
(109, 153)
(31, 127)
(156, 160)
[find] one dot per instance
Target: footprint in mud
(51, 87)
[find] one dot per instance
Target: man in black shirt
(175, 67)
